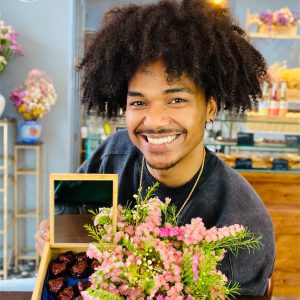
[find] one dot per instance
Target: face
(166, 120)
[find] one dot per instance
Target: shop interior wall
(273, 50)
(47, 34)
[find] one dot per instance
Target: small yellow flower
(22, 108)
(27, 116)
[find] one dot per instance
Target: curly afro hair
(189, 36)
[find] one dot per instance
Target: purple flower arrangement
(282, 17)
(266, 17)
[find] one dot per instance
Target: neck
(180, 173)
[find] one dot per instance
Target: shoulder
(116, 149)
(228, 180)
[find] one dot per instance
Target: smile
(161, 140)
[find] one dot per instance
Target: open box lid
(71, 196)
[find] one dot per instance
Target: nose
(156, 117)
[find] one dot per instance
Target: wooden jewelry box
(78, 192)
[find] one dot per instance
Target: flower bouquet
(154, 258)
(282, 21)
(9, 47)
(37, 96)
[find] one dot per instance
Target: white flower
(3, 60)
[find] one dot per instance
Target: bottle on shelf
(264, 103)
(283, 105)
(274, 103)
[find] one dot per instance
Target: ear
(211, 110)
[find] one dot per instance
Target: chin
(161, 166)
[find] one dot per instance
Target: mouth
(159, 140)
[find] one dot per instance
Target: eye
(177, 101)
(137, 103)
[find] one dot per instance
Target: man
(171, 66)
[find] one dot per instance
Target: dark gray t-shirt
(222, 197)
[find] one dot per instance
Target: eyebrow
(134, 94)
(178, 90)
(168, 91)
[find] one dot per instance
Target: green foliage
(92, 232)
(169, 213)
(93, 212)
(147, 284)
(103, 294)
(138, 214)
(243, 239)
(187, 271)
(127, 244)
(208, 278)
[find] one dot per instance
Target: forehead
(155, 74)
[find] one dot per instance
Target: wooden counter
(27, 296)
(281, 194)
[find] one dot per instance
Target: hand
(42, 236)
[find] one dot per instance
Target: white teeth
(167, 139)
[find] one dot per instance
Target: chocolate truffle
(81, 256)
(83, 285)
(67, 257)
(58, 268)
(66, 294)
(95, 264)
(80, 270)
(56, 285)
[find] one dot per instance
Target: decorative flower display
(154, 258)
(266, 17)
(9, 47)
(282, 17)
(37, 96)
(290, 75)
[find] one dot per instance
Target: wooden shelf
(259, 35)
(252, 19)
(26, 215)
(7, 127)
(21, 213)
(26, 172)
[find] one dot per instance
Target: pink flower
(93, 252)
(130, 230)
(118, 236)
(164, 232)
(195, 267)
(173, 292)
(87, 296)
(155, 260)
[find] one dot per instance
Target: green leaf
(103, 294)
(92, 232)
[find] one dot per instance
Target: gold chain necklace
(193, 188)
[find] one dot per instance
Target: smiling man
(171, 65)
(165, 120)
